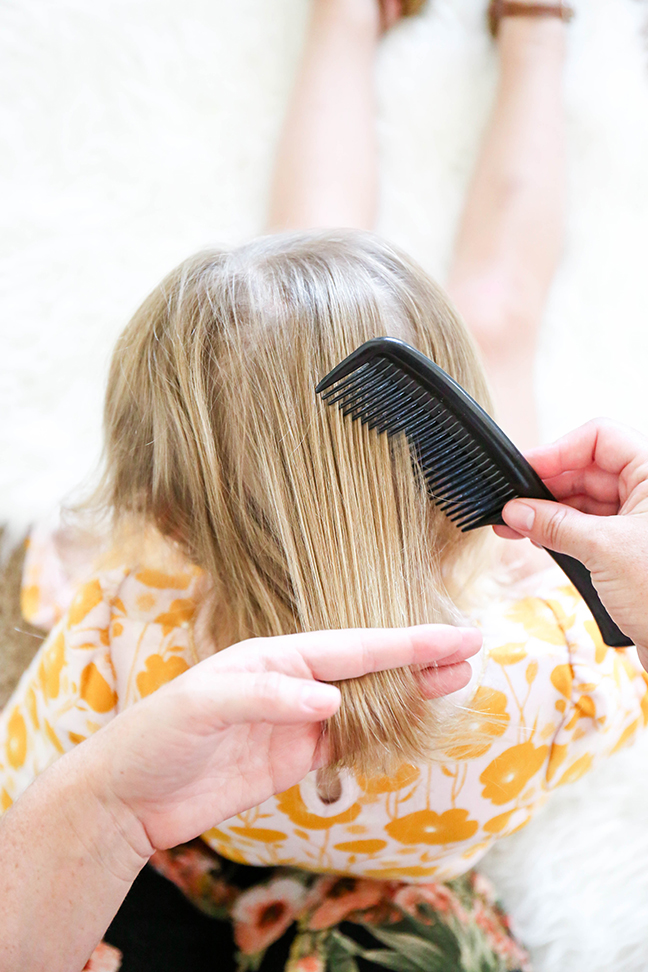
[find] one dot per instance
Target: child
(251, 509)
(244, 507)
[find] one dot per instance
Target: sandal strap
(412, 7)
(513, 8)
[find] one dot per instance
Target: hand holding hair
(600, 474)
(222, 737)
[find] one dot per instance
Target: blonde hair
(302, 520)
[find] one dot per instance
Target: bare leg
(326, 171)
(511, 234)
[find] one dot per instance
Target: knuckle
(268, 686)
(554, 527)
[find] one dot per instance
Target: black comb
(470, 467)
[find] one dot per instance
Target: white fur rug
(135, 131)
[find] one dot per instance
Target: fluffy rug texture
(136, 131)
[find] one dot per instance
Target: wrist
(68, 861)
(110, 831)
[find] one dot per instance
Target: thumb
(555, 527)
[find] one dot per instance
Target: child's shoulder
(148, 591)
(545, 615)
(152, 576)
(67, 571)
(541, 644)
(152, 606)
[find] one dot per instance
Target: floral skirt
(294, 921)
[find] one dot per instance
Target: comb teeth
(460, 476)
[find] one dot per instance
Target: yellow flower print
(556, 759)
(577, 769)
(49, 670)
(584, 708)
(291, 803)
(95, 690)
(231, 853)
(30, 601)
(159, 672)
(180, 613)
(531, 672)
(16, 739)
(32, 706)
(565, 620)
(600, 648)
(626, 736)
(88, 598)
(53, 738)
(5, 801)
(146, 602)
(162, 581)
(538, 621)
(362, 846)
(508, 774)
(509, 654)
(562, 678)
(405, 775)
(216, 834)
(631, 670)
(261, 834)
(428, 827)
(568, 590)
(118, 605)
(490, 719)
(497, 824)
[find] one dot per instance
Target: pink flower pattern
(318, 904)
(105, 958)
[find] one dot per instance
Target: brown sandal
(513, 8)
(412, 7)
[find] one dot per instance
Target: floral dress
(348, 924)
(383, 875)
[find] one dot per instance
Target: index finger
(608, 445)
(337, 655)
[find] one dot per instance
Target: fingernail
(519, 516)
(320, 697)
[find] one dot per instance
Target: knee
(503, 325)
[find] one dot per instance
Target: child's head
(303, 520)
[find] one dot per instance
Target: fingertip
(519, 516)
(506, 533)
(471, 640)
(320, 699)
(437, 682)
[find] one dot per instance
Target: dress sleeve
(602, 694)
(66, 694)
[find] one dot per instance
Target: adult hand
(599, 472)
(222, 737)
(246, 723)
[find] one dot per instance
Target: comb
(471, 469)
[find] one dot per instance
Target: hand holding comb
(470, 467)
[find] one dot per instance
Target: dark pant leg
(158, 930)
